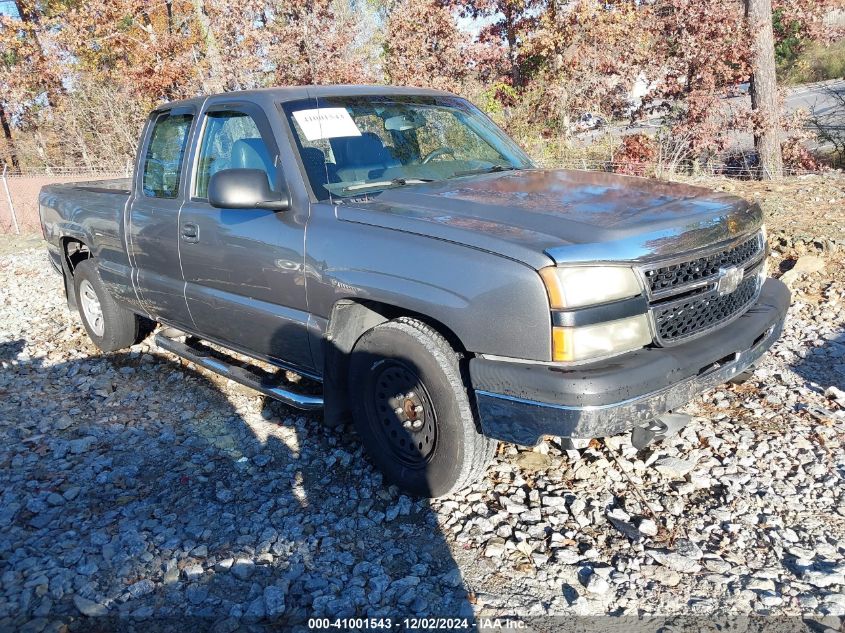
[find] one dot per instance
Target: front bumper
(520, 402)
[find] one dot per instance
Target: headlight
(581, 286)
(602, 339)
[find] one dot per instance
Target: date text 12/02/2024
(416, 623)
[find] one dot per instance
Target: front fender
(492, 304)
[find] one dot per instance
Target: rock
(834, 393)
(667, 577)
(196, 593)
(89, 607)
(180, 478)
(770, 599)
(274, 599)
(717, 565)
(823, 578)
(72, 493)
(453, 578)
(626, 528)
(688, 549)
(806, 264)
(224, 565)
(673, 467)
(141, 588)
(255, 610)
(530, 461)
(495, 548)
(82, 445)
(675, 561)
(243, 568)
(567, 556)
(597, 585)
(171, 575)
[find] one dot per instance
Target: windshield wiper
(395, 182)
(483, 170)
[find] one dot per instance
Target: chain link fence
(19, 193)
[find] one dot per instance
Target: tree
(587, 55)
(699, 51)
(764, 89)
(423, 46)
(320, 42)
(505, 23)
(29, 78)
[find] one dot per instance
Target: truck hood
(561, 216)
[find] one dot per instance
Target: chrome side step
(167, 340)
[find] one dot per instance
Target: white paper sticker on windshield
(326, 123)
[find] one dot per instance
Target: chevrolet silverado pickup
(399, 252)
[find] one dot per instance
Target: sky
(7, 7)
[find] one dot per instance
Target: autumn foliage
(76, 78)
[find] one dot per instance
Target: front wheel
(412, 411)
(110, 326)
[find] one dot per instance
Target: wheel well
(349, 320)
(74, 252)
(371, 313)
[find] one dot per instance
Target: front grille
(680, 320)
(666, 278)
(684, 295)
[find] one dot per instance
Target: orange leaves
(153, 46)
(424, 47)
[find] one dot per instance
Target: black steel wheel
(402, 414)
(411, 409)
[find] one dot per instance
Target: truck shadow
(141, 490)
(823, 365)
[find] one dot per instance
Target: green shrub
(815, 63)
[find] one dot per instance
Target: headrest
(367, 149)
(251, 153)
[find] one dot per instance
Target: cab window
(231, 140)
(165, 153)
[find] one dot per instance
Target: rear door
(153, 227)
(243, 268)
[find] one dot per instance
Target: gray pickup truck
(401, 254)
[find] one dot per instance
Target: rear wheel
(110, 326)
(412, 411)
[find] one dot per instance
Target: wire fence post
(9, 199)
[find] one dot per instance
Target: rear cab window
(165, 154)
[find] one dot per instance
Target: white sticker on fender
(326, 123)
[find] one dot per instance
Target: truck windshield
(354, 146)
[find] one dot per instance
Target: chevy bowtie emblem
(729, 279)
(733, 225)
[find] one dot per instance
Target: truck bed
(81, 208)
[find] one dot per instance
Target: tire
(115, 327)
(410, 407)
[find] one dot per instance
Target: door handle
(190, 232)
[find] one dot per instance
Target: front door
(243, 268)
(153, 227)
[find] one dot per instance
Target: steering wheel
(440, 151)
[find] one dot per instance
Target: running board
(167, 340)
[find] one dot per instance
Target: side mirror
(244, 189)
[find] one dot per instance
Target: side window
(231, 140)
(166, 149)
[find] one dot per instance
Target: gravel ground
(135, 485)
